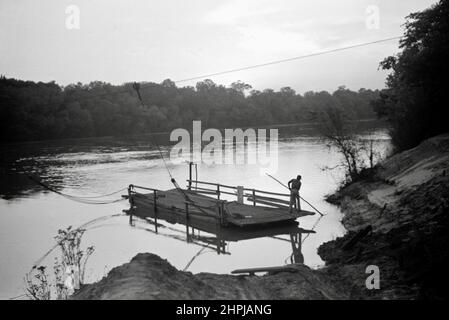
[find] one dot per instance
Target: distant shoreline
(262, 126)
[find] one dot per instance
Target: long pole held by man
(282, 184)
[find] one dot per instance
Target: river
(30, 216)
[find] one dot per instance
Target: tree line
(37, 110)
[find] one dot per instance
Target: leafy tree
(415, 99)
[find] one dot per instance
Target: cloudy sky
(140, 40)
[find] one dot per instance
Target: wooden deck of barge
(193, 208)
(255, 214)
(201, 207)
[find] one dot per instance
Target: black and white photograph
(234, 152)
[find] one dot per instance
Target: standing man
(294, 185)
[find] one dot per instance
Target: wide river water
(30, 216)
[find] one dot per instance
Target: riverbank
(147, 276)
(396, 219)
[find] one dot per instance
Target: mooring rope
(80, 199)
(195, 256)
(103, 195)
(175, 183)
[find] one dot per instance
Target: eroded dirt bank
(403, 209)
(397, 219)
(148, 276)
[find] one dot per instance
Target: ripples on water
(31, 216)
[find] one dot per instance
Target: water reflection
(219, 238)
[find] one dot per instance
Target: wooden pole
(187, 222)
(155, 209)
(190, 175)
(131, 204)
(218, 215)
(222, 219)
(254, 197)
(218, 239)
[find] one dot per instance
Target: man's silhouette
(294, 185)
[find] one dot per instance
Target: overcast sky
(136, 40)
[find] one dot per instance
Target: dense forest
(36, 111)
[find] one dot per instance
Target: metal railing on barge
(187, 210)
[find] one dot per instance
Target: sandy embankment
(148, 276)
(401, 189)
(405, 203)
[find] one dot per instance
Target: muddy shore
(396, 217)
